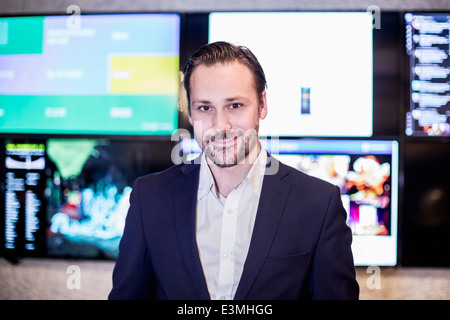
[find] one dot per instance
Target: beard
(230, 147)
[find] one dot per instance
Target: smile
(223, 142)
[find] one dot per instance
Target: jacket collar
(271, 206)
(272, 201)
(185, 205)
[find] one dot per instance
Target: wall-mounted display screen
(318, 66)
(70, 197)
(23, 179)
(366, 171)
(106, 74)
(427, 45)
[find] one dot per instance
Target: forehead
(222, 77)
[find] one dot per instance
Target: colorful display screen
(70, 197)
(366, 171)
(318, 66)
(105, 74)
(427, 45)
(87, 205)
(89, 183)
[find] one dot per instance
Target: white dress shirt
(225, 226)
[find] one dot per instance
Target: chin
(223, 160)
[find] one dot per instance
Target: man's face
(225, 112)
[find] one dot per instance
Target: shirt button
(230, 212)
(223, 298)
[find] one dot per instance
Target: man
(229, 227)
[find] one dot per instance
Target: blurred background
(358, 95)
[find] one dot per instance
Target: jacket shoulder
(158, 179)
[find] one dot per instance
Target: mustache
(223, 135)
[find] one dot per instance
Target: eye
(235, 105)
(204, 108)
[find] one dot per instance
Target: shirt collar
(255, 176)
(206, 181)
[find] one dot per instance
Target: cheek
(243, 120)
(249, 122)
(196, 123)
(201, 128)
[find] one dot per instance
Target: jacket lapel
(270, 209)
(185, 205)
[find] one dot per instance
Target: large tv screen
(68, 197)
(318, 67)
(107, 74)
(366, 171)
(427, 45)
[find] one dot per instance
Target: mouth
(222, 141)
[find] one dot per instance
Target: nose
(222, 120)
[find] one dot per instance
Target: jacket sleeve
(333, 271)
(132, 275)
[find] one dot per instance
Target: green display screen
(108, 74)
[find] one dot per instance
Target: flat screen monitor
(102, 74)
(318, 67)
(69, 198)
(366, 171)
(427, 46)
(23, 181)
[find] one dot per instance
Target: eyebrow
(231, 99)
(227, 100)
(235, 98)
(201, 102)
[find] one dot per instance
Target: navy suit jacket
(300, 246)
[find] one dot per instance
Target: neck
(227, 179)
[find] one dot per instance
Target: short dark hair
(224, 52)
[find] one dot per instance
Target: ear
(263, 106)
